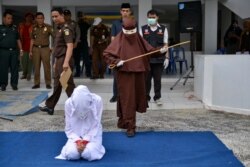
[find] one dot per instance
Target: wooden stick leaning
(111, 66)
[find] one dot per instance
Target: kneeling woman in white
(83, 112)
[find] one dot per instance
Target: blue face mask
(151, 21)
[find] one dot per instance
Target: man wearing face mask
(157, 36)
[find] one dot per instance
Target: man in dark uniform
(157, 36)
(40, 51)
(99, 39)
(63, 50)
(9, 42)
(82, 50)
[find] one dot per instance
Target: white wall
(222, 81)
(241, 8)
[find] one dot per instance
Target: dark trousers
(98, 63)
(155, 73)
(82, 51)
(9, 60)
(53, 99)
(115, 89)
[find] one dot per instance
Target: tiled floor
(181, 97)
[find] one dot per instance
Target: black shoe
(48, 87)
(14, 88)
(130, 133)
(47, 109)
(23, 77)
(3, 87)
(113, 99)
(35, 86)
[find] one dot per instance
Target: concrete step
(181, 97)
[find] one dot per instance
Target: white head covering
(81, 102)
(97, 20)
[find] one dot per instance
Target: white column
(45, 6)
(210, 33)
(143, 7)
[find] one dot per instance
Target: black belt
(41, 46)
(7, 48)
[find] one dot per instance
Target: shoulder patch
(66, 32)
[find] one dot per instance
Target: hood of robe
(129, 45)
(81, 102)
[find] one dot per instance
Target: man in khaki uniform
(99, 40)
(40, 51)
(74, 26)
(63, 50)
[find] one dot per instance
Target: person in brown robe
(131, 76)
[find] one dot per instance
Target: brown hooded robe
(131, 77)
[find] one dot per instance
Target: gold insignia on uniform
(45, 29)
(66, 32)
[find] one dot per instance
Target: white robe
(83, 126)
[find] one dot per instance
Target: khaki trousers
(41, 55)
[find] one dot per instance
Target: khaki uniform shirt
(40, 35)
(76, 30)
(101, 35)
(64, 35)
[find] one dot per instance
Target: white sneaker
(158, 102)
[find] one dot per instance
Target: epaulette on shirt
(66, 25)
(73, 22)
(66, 30)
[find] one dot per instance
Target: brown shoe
(122, 126)
(130, 132)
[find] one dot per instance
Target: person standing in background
(232, 38)
(62, 51)
(116, 28)
(157, 36)
(40, 50)
(25, 29)
(82, 50)
(99, 40)
(245, 37)
(76, 32)
(10, 48)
